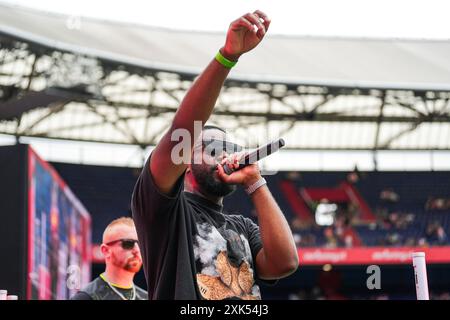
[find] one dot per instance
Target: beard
(205, 176)
(132, 264)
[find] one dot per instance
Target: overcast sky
(361, 18)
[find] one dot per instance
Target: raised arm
(243, 35)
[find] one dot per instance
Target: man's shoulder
(244, 222)
(90, 289)
(236, 217)
(85, 292)
(81, 295)
(146, 185)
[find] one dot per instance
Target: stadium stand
(106, 192)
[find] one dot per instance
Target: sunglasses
(214, 147)
(127, 244)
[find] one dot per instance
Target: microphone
(256, 155)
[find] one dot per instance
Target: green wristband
(224, 61)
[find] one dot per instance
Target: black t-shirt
(190, 248)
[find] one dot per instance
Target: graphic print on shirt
(225, 265)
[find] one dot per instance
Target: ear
(105, 250)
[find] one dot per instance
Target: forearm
(278, 244)
(199, 102)
(197, 105)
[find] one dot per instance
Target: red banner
(371, 255)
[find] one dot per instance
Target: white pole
(420, 275)
(3, 294)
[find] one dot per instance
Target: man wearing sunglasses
(123, 260)
(191, 249)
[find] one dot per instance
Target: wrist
(230, 56)
(255, 186)
(251, 180)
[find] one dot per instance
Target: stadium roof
(72, 78)
(354, 63)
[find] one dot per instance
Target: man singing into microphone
(190, 248)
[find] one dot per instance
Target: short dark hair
(211, 126)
